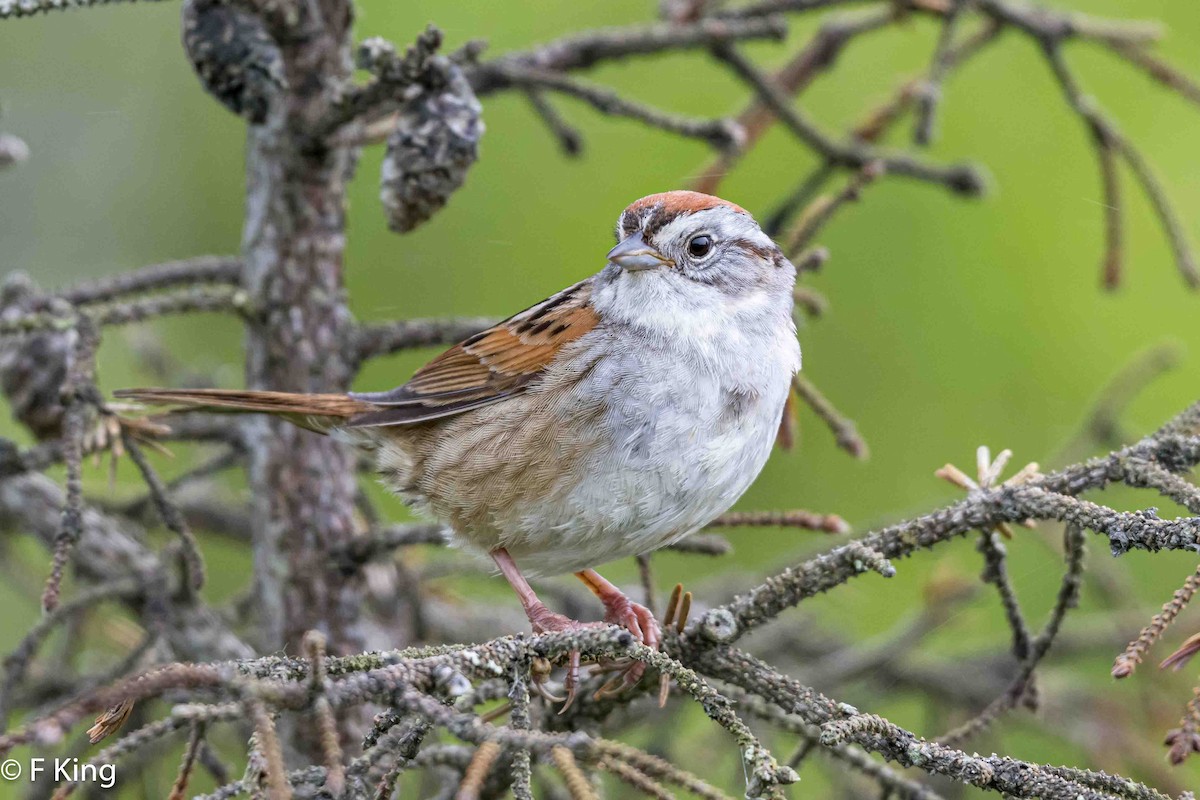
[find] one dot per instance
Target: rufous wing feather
(489, 366)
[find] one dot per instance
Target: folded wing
(489, 366)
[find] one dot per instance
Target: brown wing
(489, 366)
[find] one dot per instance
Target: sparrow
(609, 420)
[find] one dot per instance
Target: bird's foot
(638, 620)
(634, 617)
(629, 673)
(544, 620)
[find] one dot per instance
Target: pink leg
(620, 610)
(540, 617)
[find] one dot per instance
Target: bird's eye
(699, 246)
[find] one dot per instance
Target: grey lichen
(431, 149)
(719, 625)
(235, 57)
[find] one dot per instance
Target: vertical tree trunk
(293, 243)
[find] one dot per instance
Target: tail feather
(318, 412)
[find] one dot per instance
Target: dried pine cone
(33, 368)
(434, 143)
(237, 60)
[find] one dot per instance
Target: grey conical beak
(634, 254)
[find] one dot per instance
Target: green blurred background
(953, 323)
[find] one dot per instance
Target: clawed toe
(635, 618)
(539, 672)
(627, 674)
(571, 681)
(546, 621)
(639, 621)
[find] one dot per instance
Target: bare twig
(30, 8)
(960, 179)
(569, 139)
(1127, 661)
(721, 134)
(1160, 70)
(589, 49)
(819, 211)
(189, 272)
(371, 341)
(1108, 140)
(816, 57)
(77, 388)
(798, 518)
(1035, 651)
(844, 429)
(190, 753)
(930, 90)
(193, 563)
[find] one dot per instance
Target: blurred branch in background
(479, 720)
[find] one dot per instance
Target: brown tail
(318, 412)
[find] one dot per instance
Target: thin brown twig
(190, 753)
(930, 91)
(1111, 182)
(1185, 258)
(1039, 646)
(193, 561)
(878, 120)
(822, 209)
(961, 179)
(477, 771)
(327, 727)
(1163, 72)
(720, 133)
(844, 430)
(1108, 139)
(817, 56)
(278, 787)
(799, 198)
(635, 778)
(795, 518)
(581, 52)
(1127, 661)
(577, 782)
(569, 139)
(659, 769)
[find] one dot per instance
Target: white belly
(676, 450)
